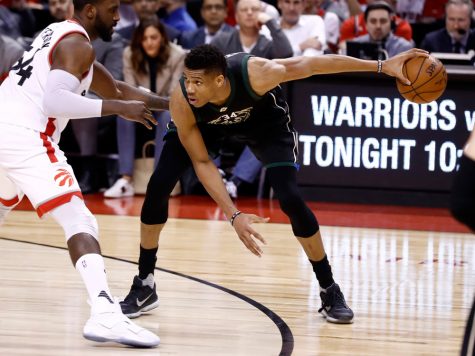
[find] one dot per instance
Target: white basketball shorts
(32, 164)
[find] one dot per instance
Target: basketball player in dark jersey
(239, 96)
(462, 206)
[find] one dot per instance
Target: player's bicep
(264, 74)
(188, 131)
(294, 68)
(73, 54)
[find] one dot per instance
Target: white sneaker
(107, 323)
(121, 188)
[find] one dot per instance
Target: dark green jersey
(244, 109)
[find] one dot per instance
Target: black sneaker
(334, 307)
(141, 297)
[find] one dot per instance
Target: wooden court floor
(410, 288)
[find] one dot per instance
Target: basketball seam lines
(420, 85)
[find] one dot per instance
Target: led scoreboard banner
(356, 131)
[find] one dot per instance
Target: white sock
(92, 270)
(4, 210)
(149, 281)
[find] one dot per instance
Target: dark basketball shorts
(275, 145)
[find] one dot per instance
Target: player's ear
(220, 80)
(90, 11)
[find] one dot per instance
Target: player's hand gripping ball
(428, 80)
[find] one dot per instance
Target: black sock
(147, 261)
(323, 271)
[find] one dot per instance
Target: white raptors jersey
(21, 94)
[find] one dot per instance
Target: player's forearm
(209, 176)
(335, 63)
(112, 107)
(153, 101)
(304, 67)
(61, 101)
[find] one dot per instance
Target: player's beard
(103, 30)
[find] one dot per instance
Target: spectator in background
(213, 13)
(250, 18)
(247, 38)
(61, 10)
(456, 37)
(306, 33)
(17, 21)
(154, 63)
(423, 11)
(145, 9)
(331, 20)
(269, 9)
(340, 8)
(177, 16)
(355, 26)
(378, 17)
(10, 52)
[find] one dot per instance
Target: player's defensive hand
(249, 236)
(137, 111)
(393, 66)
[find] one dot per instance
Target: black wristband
(234, 216)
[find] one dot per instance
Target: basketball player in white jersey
(43, 90)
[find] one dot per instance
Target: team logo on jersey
(236, 117)
(63, 178)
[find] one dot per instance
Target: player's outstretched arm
(190, 137)
(71, 61)
(104, 85)
(267, 74)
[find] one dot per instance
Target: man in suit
(378, 17)
(456, 37)
(213, 13)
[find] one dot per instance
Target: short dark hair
(206, 57)
(225, 2)
(378, 5)
(79, 4)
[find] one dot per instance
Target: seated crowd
(152, 38)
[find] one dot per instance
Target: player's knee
(303, 221)
(155, 205)
(75, 218)
(154, 210)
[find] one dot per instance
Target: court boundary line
(285, 331)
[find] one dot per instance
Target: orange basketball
(428, 78)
